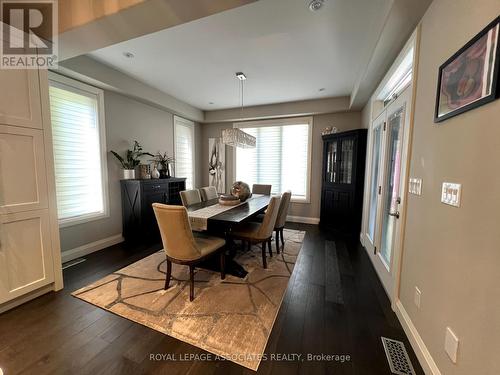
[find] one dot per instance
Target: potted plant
(131, 160)
(164, 161)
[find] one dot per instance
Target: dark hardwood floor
(334, 304)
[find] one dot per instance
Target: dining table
(215, 219)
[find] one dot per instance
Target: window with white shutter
(282, 156)
(184, 150)
(78, 137)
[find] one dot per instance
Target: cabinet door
(20, 100)
(25, 253)
(346, 166)
(23, 186)
(331, 163)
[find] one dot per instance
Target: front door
(389, 153)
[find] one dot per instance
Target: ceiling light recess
(316, 5)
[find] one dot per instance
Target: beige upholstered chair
(208, 192)
(255, 233)
(281, 219)
(180, 246)
(261, 189)
(190, 197)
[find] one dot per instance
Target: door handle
(395, 214)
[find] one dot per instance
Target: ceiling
(287, 52)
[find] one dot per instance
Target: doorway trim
(375, 108)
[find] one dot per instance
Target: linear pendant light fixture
(236, 137)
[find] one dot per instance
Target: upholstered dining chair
(189, 197)
(261, 189)
(181, 247)
(255, 233)
(281, 218)
(208, 192)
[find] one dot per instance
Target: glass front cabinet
(343, 178)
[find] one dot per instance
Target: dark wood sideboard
(139, 223)
(343, 179)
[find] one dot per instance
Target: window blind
(280, 158)
(184, 150)
(77, 152)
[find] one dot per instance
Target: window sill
(300, 200)
(64, 223)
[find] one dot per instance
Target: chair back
(267, 226)
(175, 229)
(190, 197)
(208, 192)
(283, 210)
(261, 189)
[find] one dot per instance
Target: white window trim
(189, 124)
(285, 121)
(74, 85)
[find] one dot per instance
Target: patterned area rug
(230, 318)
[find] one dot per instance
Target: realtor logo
(28, 34)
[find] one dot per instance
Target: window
(79, 150)
(184, 150)
(281, 158)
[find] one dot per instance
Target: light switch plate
(451, 344)
(451, 194)
(415, 186)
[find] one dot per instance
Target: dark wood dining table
(223, 223)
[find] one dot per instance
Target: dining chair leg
(264, 261)
(222, 265)
(277, 241)
(169, 274)
(269, 244)
(191, 283)
(282, 240)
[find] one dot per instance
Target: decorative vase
(128, 174)
(165, 171)
(241, 190)
(155, 173)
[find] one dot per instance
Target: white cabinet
(20, 98)
(25, 253)
(23, 185)
(30, 259)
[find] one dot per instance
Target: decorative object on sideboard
(155, 173)
(470, 78)
(217, 164)
(131, 160)
(329, 130)
(165, 162)
(144, 171)
(241, 190)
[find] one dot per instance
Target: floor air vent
(399, 362)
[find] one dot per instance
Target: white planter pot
(128, 174)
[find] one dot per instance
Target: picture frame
(470, 78)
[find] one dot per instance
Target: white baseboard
(91, 247)
(27, 297)
(418, 345)
(303, 219)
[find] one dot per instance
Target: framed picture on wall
(469, 78)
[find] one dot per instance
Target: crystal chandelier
(236, 137)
